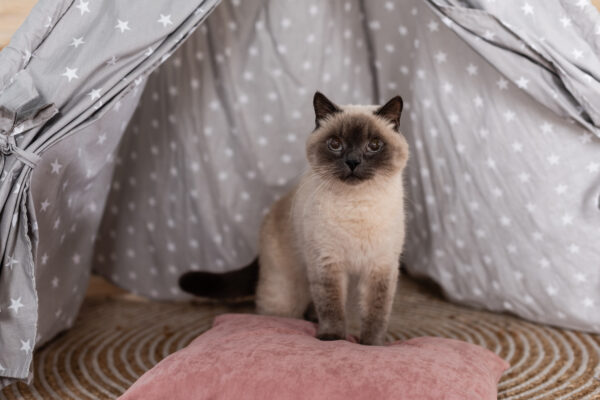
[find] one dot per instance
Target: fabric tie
(8, 146)
(22, 108)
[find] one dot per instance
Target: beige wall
(12, 15)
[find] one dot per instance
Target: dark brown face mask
(354, 148)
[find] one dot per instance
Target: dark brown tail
(238, 283)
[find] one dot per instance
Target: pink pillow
(248, 356)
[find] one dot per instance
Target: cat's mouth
(353, 178)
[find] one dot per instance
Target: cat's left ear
(391, 111)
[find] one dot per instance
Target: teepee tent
(138, 147)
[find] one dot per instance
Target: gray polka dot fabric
(139, 147)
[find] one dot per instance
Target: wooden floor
(100, 287)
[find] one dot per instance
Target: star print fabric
(69, 82)
(159, 173)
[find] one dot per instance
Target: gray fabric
(501, 214)
(505, 177)
(500, 111)
(219, 137)
(72, 57)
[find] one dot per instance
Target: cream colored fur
(326, 228)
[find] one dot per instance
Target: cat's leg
(329, 286)
(377, 289)
(282, 288)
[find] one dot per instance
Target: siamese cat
(345, 219)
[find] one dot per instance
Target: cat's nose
(352, 164)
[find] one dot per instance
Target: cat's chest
(357, 227)
(359, 217)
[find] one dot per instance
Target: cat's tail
(238, 283)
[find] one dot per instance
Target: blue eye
(334, 144)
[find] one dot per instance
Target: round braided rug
(116, 339)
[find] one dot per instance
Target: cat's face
(355, 144)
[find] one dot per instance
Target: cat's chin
(353, 179)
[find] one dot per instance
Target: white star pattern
(593, 167)
(447, 87)
(70, 74)
(433, 26)
(517, 147)
(77, 42)
(502, 84)
(94, 94)
(25, 346)
(122, 26)
(524, 177)
(577, 54)
(567, 219)
(566, 22)
(45, 205)
(56, 167)
(585, 138)
(440, 57)
(15, 305)
(573, 248)
(553, 159)
(489, 35)
(10, 262)
(522, 82)
(165, 20)
(527, 9)
(83, 7)
(560, 189)
(546, 127)
(509, 116)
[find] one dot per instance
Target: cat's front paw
(371, 341)
(330, 336)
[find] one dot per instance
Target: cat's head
(355, 144)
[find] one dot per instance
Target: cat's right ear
(323, 108)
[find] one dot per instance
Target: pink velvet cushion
(257, 357)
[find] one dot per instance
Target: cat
(345, 219)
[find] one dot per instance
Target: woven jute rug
(116, 339)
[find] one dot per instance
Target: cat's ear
(323, 108)
(391, 111)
